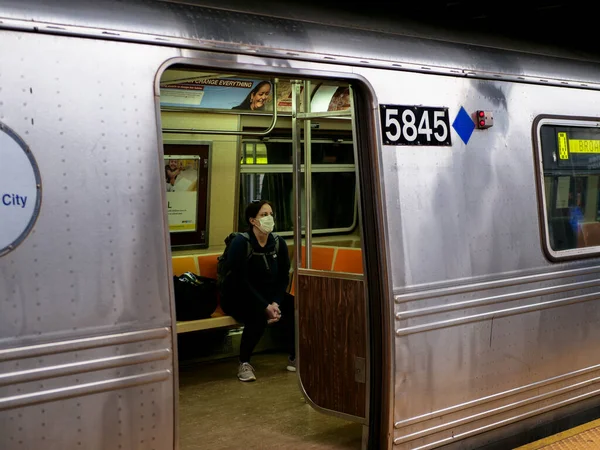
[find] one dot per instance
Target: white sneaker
(291, 365)
(246, 372)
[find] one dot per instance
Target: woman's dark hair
(253, 208)
(246, 103)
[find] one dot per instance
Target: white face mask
(267, 224)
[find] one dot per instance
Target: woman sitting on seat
(256, 294)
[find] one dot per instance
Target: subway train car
(439, 199)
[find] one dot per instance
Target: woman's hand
(273, 313)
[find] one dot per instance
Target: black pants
(287, 324)
(255, 323)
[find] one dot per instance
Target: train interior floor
(218, 411)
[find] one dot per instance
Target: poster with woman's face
(249, 95)
(218, 93)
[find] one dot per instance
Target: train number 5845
(415, 125)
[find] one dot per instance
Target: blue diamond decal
(463, 124)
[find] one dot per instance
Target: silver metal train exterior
(478, 333)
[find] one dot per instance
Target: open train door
(331, 299)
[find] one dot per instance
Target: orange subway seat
(348, 260)
(204, 265)
(218, 312)
(322, 258)
(182, 264)
(208, 266)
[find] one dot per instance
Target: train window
(333, 210)
(280, 152)
(266, 172)
(570, 162)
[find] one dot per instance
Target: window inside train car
(266, 172)
(570, 160)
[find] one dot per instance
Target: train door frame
(379, 426)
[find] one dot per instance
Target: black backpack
(195, 296)
(223, 269)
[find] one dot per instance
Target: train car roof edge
(322, 39)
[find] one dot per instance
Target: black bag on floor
(195, 296)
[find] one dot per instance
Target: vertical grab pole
(307, 178)
(297, 168)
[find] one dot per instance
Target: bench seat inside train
(339, 258)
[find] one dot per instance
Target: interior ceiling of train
(550, 23)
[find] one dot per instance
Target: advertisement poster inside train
(248, 95)
(217, 93)
(181, 182)
(330, 98)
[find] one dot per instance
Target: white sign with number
(415, 125)
(19, 190)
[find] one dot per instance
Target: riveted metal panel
(95, 266)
